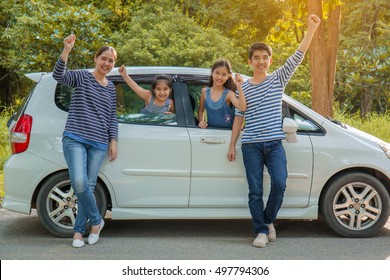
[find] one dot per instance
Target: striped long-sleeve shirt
(263, 115)
(92, 111)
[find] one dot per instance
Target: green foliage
(363, 68)
(284, 38)
(161, 36)
(5, 150)
(365, 72)
(245, 21)
(302, 96)
(47, 25)
(32, 34)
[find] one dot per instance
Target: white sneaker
(272, 233)
(77, 243)
(93, 238)
(260, 241)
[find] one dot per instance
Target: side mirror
(290, 127)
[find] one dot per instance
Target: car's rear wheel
(57, 204)
(356, 205)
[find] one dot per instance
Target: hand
(112, 150)
(314, 21)
(203, 124)
(169, 110)
(238, 80)
(122, 70)
(69, 42)
(231, 155)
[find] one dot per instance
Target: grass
(377, 125)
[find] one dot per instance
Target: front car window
(305, 124)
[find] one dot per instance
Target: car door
(300, 158)
(217, 182)
(154, 156)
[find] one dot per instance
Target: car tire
(57, 204)
(355, 205)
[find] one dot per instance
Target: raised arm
(240, 102)
(141, 92)
(60, 73)
(313, 21)
(68, 46)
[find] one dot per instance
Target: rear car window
(129, 105)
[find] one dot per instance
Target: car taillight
(20, 134)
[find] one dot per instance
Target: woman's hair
(158, 78)
(229, 84)
(106, 48)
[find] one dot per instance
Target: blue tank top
(154, 109)
(219, 114)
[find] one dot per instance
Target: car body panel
(150, 173)
(218, 182)
(34, 169)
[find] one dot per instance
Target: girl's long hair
(229, 84)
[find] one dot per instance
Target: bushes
(4, 143)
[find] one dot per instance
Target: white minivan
(168, 168)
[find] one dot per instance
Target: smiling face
(162, 90)
(260, 61)
(220, 75)
(105, 61)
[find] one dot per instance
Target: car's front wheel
(57, 204)
(356, 205)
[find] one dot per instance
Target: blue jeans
(83, 162)
(272, 155)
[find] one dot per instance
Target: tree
(163, 35)
(245, 21)
(33, 34)
(323, 54)
(363, 80)
(289, 31)
(284, 38)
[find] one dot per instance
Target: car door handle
(212, 140)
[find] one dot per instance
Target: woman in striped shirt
(91, 130)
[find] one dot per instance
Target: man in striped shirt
(263, 133)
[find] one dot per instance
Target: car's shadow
(240, 228)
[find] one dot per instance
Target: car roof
(177, 70)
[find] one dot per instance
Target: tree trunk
(5, 86)
(366, 103)
(323, 54)
(332, 49)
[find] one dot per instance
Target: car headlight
(386, 148)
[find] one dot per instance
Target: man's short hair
(259, 46)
